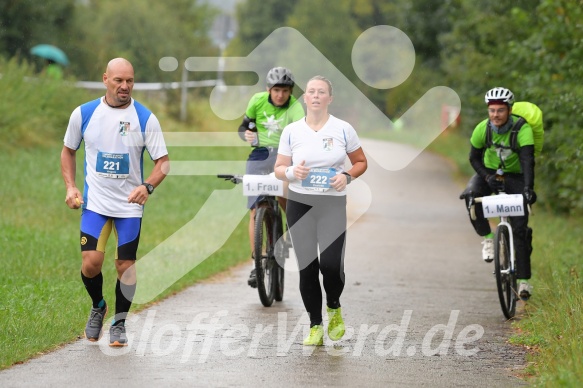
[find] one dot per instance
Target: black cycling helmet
(279, 76)
(499, 94)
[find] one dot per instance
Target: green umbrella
(50, 52)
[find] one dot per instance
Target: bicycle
(503, 206)
(269, 228)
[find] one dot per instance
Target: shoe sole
(488, 260)
(117, 344)
(93, 339)
(336, 336)
(319, 343)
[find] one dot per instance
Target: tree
(475, 53)
(330, 28)
(256, 20)
(549, 67)
(25, 23)
(539, 58)
(143, 32)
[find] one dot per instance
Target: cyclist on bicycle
(266, 115)
(491, 152)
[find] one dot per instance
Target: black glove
(495, 184)
(529, 195)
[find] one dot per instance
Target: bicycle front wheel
(265, 264)
(505, 276)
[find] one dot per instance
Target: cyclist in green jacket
(493, 146)
(266, 115)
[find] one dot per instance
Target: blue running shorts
(96, 228)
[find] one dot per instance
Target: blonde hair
(321, 78)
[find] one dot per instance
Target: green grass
(43, 303)
(553, 323)
(551, 327)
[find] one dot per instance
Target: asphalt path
(420, 306)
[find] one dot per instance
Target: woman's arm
(359, 163)
(286, 172)
(281, 164)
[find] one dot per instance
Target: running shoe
(316, 337)
(488, 250)
(94, 326)
(335, 323)
(252, 281)
(524, 290)
(117, 336)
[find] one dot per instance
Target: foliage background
(533, 47)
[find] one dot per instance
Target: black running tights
(318, 224)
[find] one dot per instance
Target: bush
(35, 109)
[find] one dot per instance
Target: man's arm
(73, 198)
(247, 130)
(477, 161)
(161, 168)
(526, 156)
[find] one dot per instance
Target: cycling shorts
(96, 228)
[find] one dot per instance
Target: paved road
(420, 305)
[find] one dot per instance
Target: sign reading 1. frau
(254, 185)
(503, 205)
(319, 178)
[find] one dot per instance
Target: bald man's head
(119, 81)
(118, 64)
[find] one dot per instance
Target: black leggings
(513, 184)
(318, 222)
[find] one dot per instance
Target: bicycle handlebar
(236, 179)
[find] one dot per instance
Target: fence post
(183, 94)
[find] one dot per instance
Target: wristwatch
(348, 178)
(149, 187)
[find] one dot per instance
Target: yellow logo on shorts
(83, 240)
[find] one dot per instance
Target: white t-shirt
(326, 148)
(114, 148)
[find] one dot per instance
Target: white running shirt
(114, 148)
(320, 149)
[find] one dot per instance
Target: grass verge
(552, 325)
(42, 301)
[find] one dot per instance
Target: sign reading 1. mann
(503, 205)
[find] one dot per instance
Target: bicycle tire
(279, 270)
(505, 276)
(264, 254)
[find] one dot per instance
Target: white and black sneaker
(524, 290)
(488, 250)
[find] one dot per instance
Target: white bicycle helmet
(279, 76)
(499, 94)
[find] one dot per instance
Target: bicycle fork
(511, 267)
